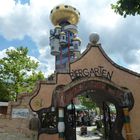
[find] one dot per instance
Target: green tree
(87, 102)
(18, 72)
(4, 93)
(127, 7)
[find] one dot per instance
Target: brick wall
(13, 127)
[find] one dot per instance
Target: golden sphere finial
(64, 13)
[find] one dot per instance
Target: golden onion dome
(66, 13)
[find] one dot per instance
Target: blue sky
(26, 42)
(26, 23)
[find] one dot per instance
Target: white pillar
(61, 125)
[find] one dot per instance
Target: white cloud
(6, 6)
(47, 61)
(46, 69)
(135, 67)
(34, 58)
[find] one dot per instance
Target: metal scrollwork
(48, 120)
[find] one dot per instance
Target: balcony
(71, 27)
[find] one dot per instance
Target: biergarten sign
(99, 71)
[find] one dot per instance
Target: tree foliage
(18, 73)
(87, 102)
(4, 93)
(127, 7)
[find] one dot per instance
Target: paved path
(7, 136)
(89, 136)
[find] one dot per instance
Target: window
(66, 6)
(76, 46)
(57, 7)
(3, 110)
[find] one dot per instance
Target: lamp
(52, 108)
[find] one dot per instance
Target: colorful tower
(64, 42)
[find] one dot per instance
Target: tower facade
(64, 42)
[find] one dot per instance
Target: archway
(99, 89)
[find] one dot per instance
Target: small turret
(63, 39)
(76, 43)
(54, 43)
(57, 30)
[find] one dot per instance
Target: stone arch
(99, 88)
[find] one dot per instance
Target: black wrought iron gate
(107, 122)
(70, 123)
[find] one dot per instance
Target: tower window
(76, 46)
(57, 7)
(66, 6)
(51, 11)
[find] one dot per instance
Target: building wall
(42, 97)
(14, 128)
(121, 76)
(92, 57)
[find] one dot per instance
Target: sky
(27, 23)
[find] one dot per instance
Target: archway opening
(89, 117)
(104, 93)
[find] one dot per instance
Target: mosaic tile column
(61, 125)
(127, 125)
